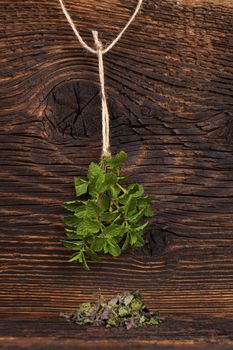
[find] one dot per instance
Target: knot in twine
(100, 51)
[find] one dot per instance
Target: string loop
(100, 51)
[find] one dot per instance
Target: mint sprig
(107, 217)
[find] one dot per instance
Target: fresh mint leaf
(115, 191)
(103, 202)
(134, 217)
(99, 184)
(126, 242)
(114, 230)
(71, 221)
(73, 245)
(148, 212)
(115, 162)
(72, 205)
(140, 242)
(80, 186)
(109, 217)
(136, 239)
(140, 228)
(92, 254)
(131, 206)
(113, 248)
(71, 234)
(79, 257)
(94, 171)
(110, 179)
(81, 213)
(97, 244)
(92, 209)
(135, 190)
(89, 226)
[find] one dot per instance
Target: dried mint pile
(106, 217)
(127, 310)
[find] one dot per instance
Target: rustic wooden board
(169, 84)
(54, 333)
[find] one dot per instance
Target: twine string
(100, 51)
(105, 114)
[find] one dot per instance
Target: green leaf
(116, 161)
(122, 178)
(86, 267)
(133, 238)
(126, 242)
(71, 221)
(92, 254)
(140, 228)
(71, 234)
(124, 198)
(133, 218)
(75, 258)
(131, 206)
(110, 179)
(109, 217)
(115, 191)
(143, 202)
(80, 186)
(135, 190)
(136, 239)
(92, 209)
(99, 184)
(81, 212)
(114, 230)
(89, 226)
(113, 247)
(96, 177)
(103, 202)
(97, 244)
(94, 171)
(148, 212)
(88, 210)
(72, 205)
(73, 245)
(105, 183)
(80, 257)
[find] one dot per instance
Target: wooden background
(170, 85)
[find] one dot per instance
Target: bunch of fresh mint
(107, 217)
(126, 310)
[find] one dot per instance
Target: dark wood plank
(55, 333)
(169, 85)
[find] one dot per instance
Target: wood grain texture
(56, 333)
(170, 85)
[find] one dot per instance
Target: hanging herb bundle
(107, 217)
